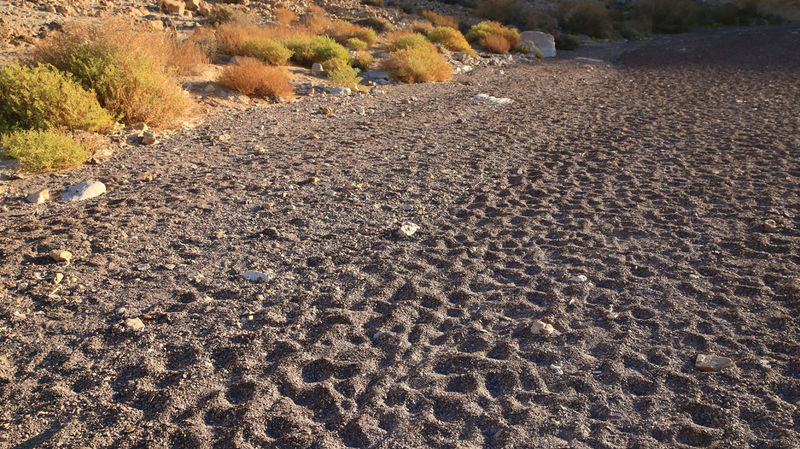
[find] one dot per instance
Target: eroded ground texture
(653, 176)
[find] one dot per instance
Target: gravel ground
(646, 208)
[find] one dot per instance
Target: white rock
(705, 362)
(493, 100)
(340, 91)
(257, 276)
(58, 255)
(134, 324)
(543, 41)
(540, 327)
(39, 196)
(407, 230)
(317, 69)
(84, 191)
(579, 279)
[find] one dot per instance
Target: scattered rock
(6, 369)
(257, 276)
(317, 69)
(493, 100)
(58, 278)
(339, 91)
(707, 362)
(134, 324)
(540, 327)
(583, 58)
(406, 230)
(84, 191)
(546, 43)
(143, 267)
(39, 196)
(579, 279)
(149, 138)
(770, 226)
(764, 363)
(58, 255)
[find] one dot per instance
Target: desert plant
(439, 20)
(355, 44)
(252, 77)
(268, 50)
(480, 32)
(417, 64)
(586, 17)
(225, 14)
(362, 60)
(127, 69)
(450, 38)
(300, 45)
(517, 12)
(43, 150)
(373, 2)
(342, 75)
(668, 16)
(341, 31)
(495, 43)
(412, 40)
(567, 41)
(284, 16)
(41, 97)
(421, 26)
(324, 48)
(188, 56)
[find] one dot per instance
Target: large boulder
(543, 41)
(173, 6)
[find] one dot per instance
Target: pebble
(60, 255)
(540, 327)
(149, 138)
(58, 278)
(493, 100)
(257, 276)
(706, 362)
(557, 369)
(770, 226)
(407, 230)
(134, 324)
(580, 279)
(38, 197)
(764, 363)
(143, 266)
(406, 207)
(84, 191)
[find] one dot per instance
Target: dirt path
(652, 178)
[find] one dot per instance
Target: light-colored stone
(257, 276)
(38, 197)
(59, 255)
(192, 5)
(579, 279)
(339, 91)
(407, 230)
(317, 69)
(156, 24)
(204, 9)
(493, 100)
(58, 278)
(375, 75)
(149, 138)
(770, 226)
(173, 6)
(84, 191)
(540, 327)
(134, 324)
(546, 43)
(706, 362)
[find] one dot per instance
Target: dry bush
(414, 65)
(517, 12)
(284, 16)
(393, 36)
(377, 3)
(355, 44)
(253, 77)
(439, 20)
(379, 24)
(362, 60)
(451, 39)
(314, 9)
(128, 69)
(342, 30)
(589, 17)
(316, 23)
(413, 40)
(341, 74)
(495, 43)
(188, 57)
(421, 26)
(481, 31)
(226, 14)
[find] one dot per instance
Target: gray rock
(134, 324)
(339, 91)
(705, 362)
(317, 69)
(493, 100)
(84, 191)
(406, 230)
(543, 41)
(257, 276)
(149, 138)
(375, 75)
(38, 197)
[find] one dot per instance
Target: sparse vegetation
(587, 17)
(410, 40)
(494, 37)
(268, 50)
(284, 16)
(362, 60)
(127, 69)
(417, 64)
(439, 20)
(226, 14)
(342, 75)
(41, 97)
(668, 16)
(43, 150)
(567, 41)
(355, 44)
(517, 12)
(253, 77)
(377, 3)
(451, 39)
(188, 56)
(421, 26)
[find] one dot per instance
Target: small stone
(557, 369)
(406, 207)
(149, 138)
(58, 278)
(317, 69)
(764, 363)
(540, 327)
(406, 230)
(707, 362)
(169, 266)
(339, 91)
(60, 256)
(143, 266)
(196, 276)
(312, 180)
(257, 276)
(770, 226)
(493, 100)
(134, 324)
(39, 196)
(84, 191)
(579, 279)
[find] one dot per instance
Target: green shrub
(41, 97)
(300, 45)
(362, 60)
(492, 33)
(451, 39)
(127, 70)
(439, 20)
(268, 50)
(586, 17)
(342, 75)
(324, 48)
(355, 44)
(417, 64)
(413, 40)
(43, 150)
(567, 41)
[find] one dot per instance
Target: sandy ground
(652, 177)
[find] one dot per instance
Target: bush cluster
(43, 150)
(253, 77)
(494, 37)
(267, 50)
(417, 64)
(450, 39)
(439, 20)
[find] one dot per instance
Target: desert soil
(623, 202)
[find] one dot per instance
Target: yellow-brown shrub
(439, 20)
(450, 38)
(417, 64)
(253, 77)
(284, 16)
(479, 32)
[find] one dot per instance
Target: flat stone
(493, 100)
(38, 197)
(134, 324)
(257, 276)
(706, 362)
(84, 191)
(579, 279)
(540, 327)
(58, 255)
(149, 138)
(406, 230)
(339, 91)
(317, 69)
